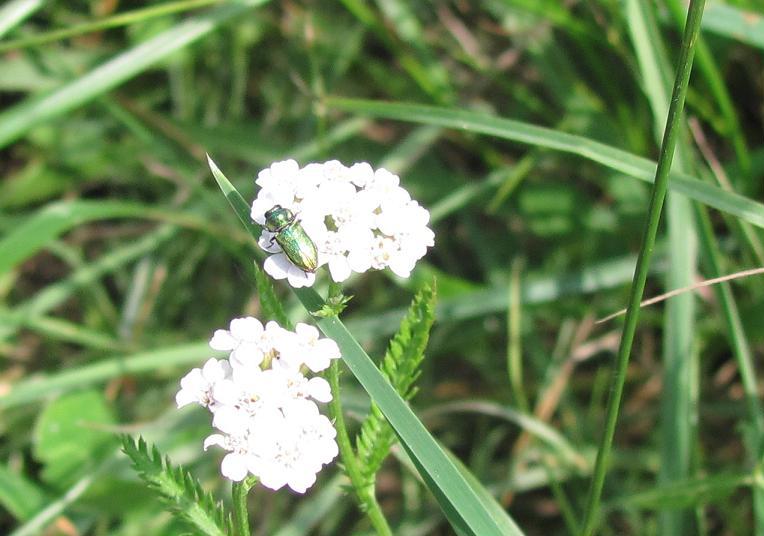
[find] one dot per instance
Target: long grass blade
(735, 23)
(15, 11)
(660, 187)
(15, 122)
(43, 386)
(617, 159)
(120, 19)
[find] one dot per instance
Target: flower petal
(301, 481)
(222, 340)
(184, 398)
(247, 354)
(339, 268)
(268, 242)
(277, 266)
(319, 389)
(297, 278)
(234, 467)
(215, 439)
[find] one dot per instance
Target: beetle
(290, 235)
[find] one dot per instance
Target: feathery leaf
(178, 488)
(401, 366)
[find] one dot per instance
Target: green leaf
(506, 523)
(180, 491)
(19, 495)
(536, 289)
(50, 222)
(459, 502)
(42, 108)
(42, 386)
(685, 494)
(71, 433)
(103, 23)
(15, 11)
(734, 23)
(617, 159)
(401, 368)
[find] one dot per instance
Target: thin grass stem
(660, 186)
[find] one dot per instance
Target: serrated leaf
(178, 488)
(401, 367)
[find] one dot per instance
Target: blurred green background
(119, 256)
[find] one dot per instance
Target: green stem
(239, 492)
(659, 189)
(363, 491)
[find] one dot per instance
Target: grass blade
(18, 120)
(44, 386)
(15, 11)
(120, 19)
(734, 23)
(617, 159)
(706, 64)
(686, 493)
(494, 299)
(50, 222)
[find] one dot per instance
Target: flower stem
(239, 492)
(660, 187)
(364, 492)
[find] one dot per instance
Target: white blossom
(264, 406)
(197, 386)
(357, 217)
(242, 340)
(235, 464)
(302, 441)
(307, 349)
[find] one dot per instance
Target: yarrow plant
(263, 405)
(357, 217)
(264, 397)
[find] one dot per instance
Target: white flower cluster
(357, 217)
(263, 405)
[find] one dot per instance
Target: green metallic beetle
(289, 234)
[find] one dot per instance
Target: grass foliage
(531, 129)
